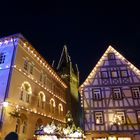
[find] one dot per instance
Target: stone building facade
(31, 92)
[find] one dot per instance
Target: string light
(93, 72)
(46, 66)
(33, 52)
(6, 104)
(48, 90)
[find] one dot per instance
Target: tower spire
(64, 59)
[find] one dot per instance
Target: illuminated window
(2, 57)
(121, 117)
(52, 106)
(124, 73)
(41, 100)
(96, 93)
(26, 91)
(104, 74)
(99, 117)
(60, 109)
(117, 94)
(114, 74)
(138, 116)
(135, 92)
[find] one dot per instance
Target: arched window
(24, 123)
(52, 105)
(26, 91)
(39, 122)
(60, 109)
(41, 99)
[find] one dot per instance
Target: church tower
(71, 77)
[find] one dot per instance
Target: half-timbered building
(111, 99)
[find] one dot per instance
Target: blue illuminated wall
(7, 47)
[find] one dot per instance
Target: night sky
(87, 28)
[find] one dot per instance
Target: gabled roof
(93, 72)
(64, 59)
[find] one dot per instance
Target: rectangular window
(114, 74)
(104, 74)
(135, 92)
(99, 117)
(2, 57)
(117, 94)
(121, 117)
(31, 68)
(27, 98)
(96, 93)
(138, 116)
(124, 73)
(26, 64)
(21, 95)
(41, 77)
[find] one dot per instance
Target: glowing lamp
(5, 104)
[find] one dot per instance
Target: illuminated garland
(18, 107)
(31, 50)
(93, 72)
(48, 90)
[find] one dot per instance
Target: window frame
(121, 116)
(115, 72)
(96, 94)
(104, 76)
(122, 74)
(135, 95)
(102, 117)
(117, 96)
